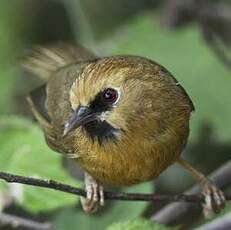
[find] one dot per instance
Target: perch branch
(51, 184)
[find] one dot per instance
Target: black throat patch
(101, 131)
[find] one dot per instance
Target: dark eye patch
(98, 105)
(101, 130)
(104, 100)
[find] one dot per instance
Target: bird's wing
(58, 66)
(37, 102)
(42, 61)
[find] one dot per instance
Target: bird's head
(119, 95)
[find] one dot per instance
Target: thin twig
(51, 184)
(214, 45)
(208, 15)
(210, 37)
(20, 222)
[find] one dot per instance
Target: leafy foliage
(140, 224)
(9, 45)
(24, 152)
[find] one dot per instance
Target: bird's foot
(94, 195)
(214, 199)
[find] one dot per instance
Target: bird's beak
(81, 116)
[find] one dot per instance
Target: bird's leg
(94, 194)
(214, 197)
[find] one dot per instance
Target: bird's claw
(94, 195)
(214, 200)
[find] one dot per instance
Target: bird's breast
(126, 164)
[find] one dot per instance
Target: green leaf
(117, 211)
(10, 42)
(140, 224)
(23, 151)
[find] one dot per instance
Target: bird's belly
(121, 170)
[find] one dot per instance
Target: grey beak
(81, 116)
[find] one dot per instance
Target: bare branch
(216, 47)
(214, 20)
(16, 222)
(213, 39)
(51, 184)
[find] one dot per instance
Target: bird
(124, 119)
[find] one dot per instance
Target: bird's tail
(42, 61)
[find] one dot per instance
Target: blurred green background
(149, 28)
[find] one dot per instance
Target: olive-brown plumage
(152, 126)
(124, 118)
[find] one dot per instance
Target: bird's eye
(109, 96)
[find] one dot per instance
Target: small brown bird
(124, 119)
